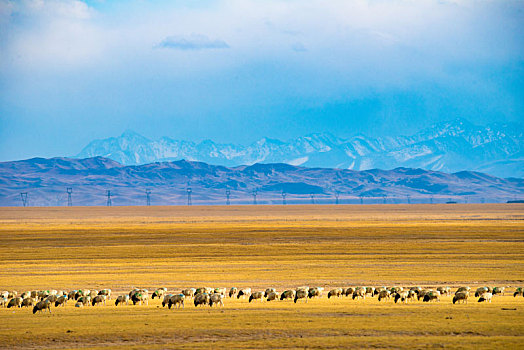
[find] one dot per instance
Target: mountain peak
(445, 146)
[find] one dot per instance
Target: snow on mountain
(449, 146)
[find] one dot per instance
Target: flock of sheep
(43, 300)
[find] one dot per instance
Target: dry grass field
(258, 247)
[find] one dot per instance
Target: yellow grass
(258, 247)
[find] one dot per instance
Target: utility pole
(148, 197)
(109, 203)
(254, 197)
(23, 195)
(189, 191)
(228, 193)
(69, 199)
(284, 198)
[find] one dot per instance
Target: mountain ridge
(46, 180)
(448, 146)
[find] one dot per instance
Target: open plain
(258, 247)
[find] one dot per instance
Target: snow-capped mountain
(450, 146)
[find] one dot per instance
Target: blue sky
(236, 71)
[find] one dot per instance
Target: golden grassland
(265, 246)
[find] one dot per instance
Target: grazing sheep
(177, 300)
(79, 304)
(244, 293)
(463, 289)
(272, 296)
(99, 299)
(287, 294)
(42, 306)
(396, 289)
(422, 293)
(158, 293)
(216, 299)
(166, 299)
(337, 292)
(122, 299)
(233, 291)
(269, 290)
(485, 297)
(461, 296)
(444, 290)
(431, 295)
(85, 300)
(315, 292)
(221, 291)
(189, 292)
(62, 300)
(256, 296)
(12, 294)
(3, 301)
(201, 299)
(349, 291)
(301, 294)
(71, 295)
(498, 290)
(106, 292)
(52, 298)
(15, 302)
(404, 296)
(370, 290)
(359, 293)
(385, 294)
(518, 291)
(480, 291)
(93, 293)
(4, 294)
(28, 302)
(140, 298)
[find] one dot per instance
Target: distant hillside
(453, 146)
(45, 181)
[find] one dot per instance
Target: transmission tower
(336, 197)
(361, 199)
(69, 199)
(228, 193)
(284, 198)
(148, 197)
(312, 196)
(109, 203)
(384, 198)
(431, 200)
(23, 195)
(254, 193)
(189, 191)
